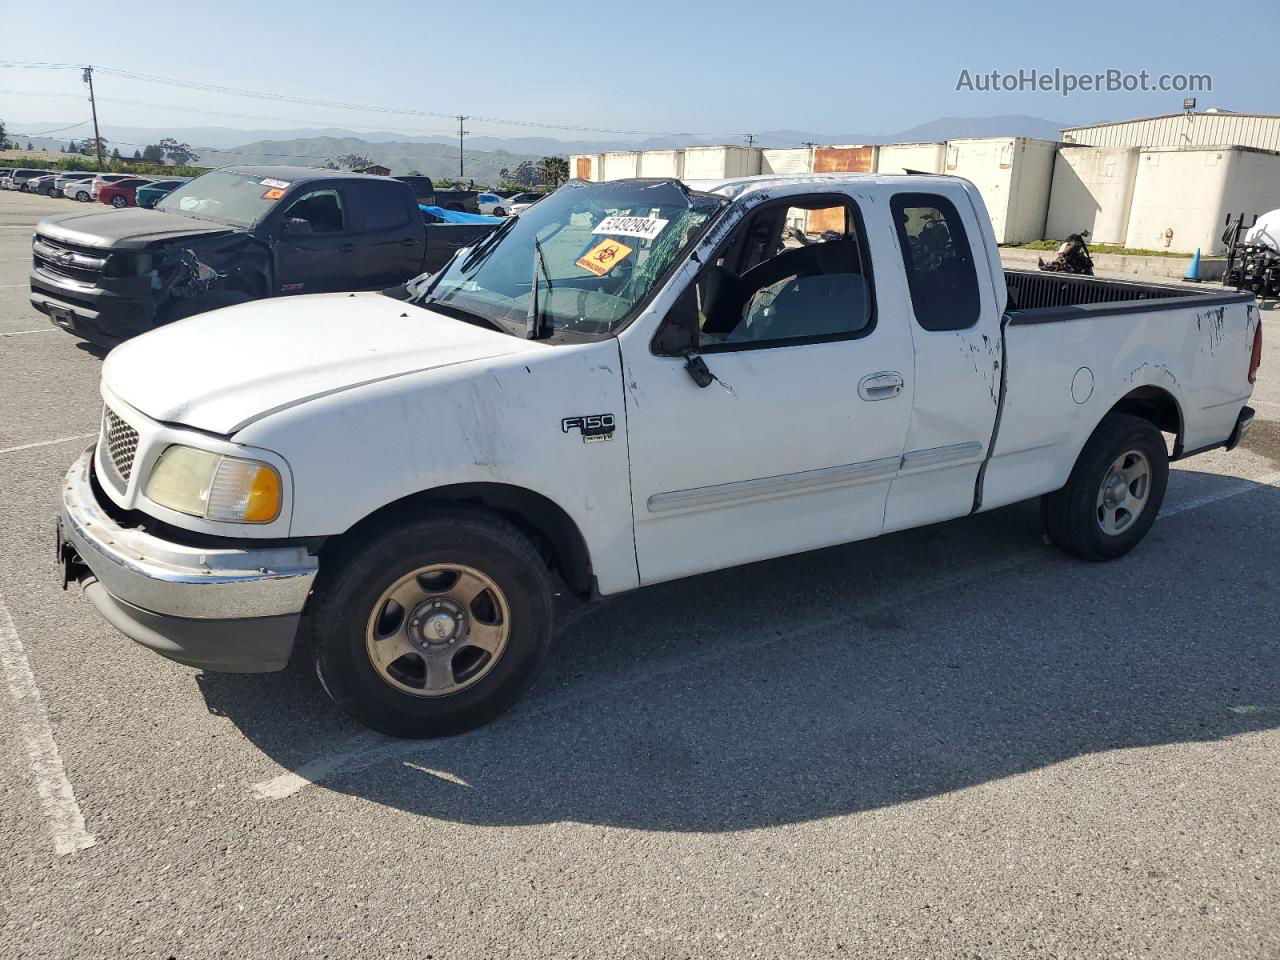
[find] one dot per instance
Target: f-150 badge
(594, 428)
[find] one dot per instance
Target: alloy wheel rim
(1124, 492)
(438, 630)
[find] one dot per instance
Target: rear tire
(82, 196)
(374, 663)
(119, 202)
(499, 211)
(1114, 492)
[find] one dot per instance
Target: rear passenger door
(955, 327)
(389, 235)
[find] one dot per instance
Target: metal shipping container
(1182, 197)
(621, 165)
(920, 157)
(662, 163)
(720, 163)
(587, 166)
(786, 161)
(1092, 190)
(1013, 174)
(841, 159)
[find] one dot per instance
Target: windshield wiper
(534, 322)
(486, 246)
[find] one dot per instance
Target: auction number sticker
(269, 182)
(604, 256)
(646, 228)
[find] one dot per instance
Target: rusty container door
(838, 160)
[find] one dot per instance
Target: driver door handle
(880, 386)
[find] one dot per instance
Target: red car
(121, 193)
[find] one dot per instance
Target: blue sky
(661, 66)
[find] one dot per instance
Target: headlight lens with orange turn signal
(215, 487)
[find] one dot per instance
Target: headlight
(209, 485)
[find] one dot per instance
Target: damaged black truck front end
(227, 237)
(113, 278)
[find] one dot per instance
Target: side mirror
(297, 227)
(680, 333)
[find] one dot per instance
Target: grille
(66, 260)
(122, 443)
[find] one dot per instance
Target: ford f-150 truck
(230, 236)
(633, 381)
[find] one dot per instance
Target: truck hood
(129, 229)
(222, 370)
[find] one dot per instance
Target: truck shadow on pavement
(846, 679)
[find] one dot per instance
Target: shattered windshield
(596, 250)
(234, 198)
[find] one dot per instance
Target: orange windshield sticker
(274, 193)
(604, 256)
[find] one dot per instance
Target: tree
(70, 147)
(153, 153)
(176, 152)
(89, 146)
(137, 155)
(553, 170)
(29, 146)
(525, 175)
(355, 161)
(115, 154)
(3, 138)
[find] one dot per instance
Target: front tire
(119, 202)
(1114, 492)
(433, 626)
(82, 196)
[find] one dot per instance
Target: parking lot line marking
(48, 443)
(56, 796)
(7, 285)
(287, 784)
(18, 333)
(1247, 486)
(363, 751)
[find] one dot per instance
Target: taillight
(1255, 358)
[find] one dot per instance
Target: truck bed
(1036, 296)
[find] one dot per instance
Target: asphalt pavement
(949, 742)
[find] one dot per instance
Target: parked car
(101, 180)
(67, 184)
(121, 193)
(426, 193)
(522, 202)
(42, 184)
(148, 194)
(492, 204)
(568, 406)
(22, 176)
(5, 174)
(232, 235)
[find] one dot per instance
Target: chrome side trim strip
(936, 455)
(786, 483)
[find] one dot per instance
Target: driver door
(794, 445)
(321, 256)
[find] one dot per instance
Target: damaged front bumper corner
(226, 609)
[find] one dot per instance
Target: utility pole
(461, 133)
(750, 138)
(87, 77)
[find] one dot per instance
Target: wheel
(82, 195)
(499, 212)
(1114, 492)
(433, 626)
(118, 202)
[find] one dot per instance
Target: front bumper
(91, 310)
(228, 609)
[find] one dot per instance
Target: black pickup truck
(229, 236)
(430, 195)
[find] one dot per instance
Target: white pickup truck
(630, 382)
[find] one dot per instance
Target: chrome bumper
(175, 580)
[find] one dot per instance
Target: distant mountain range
(437, 155)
